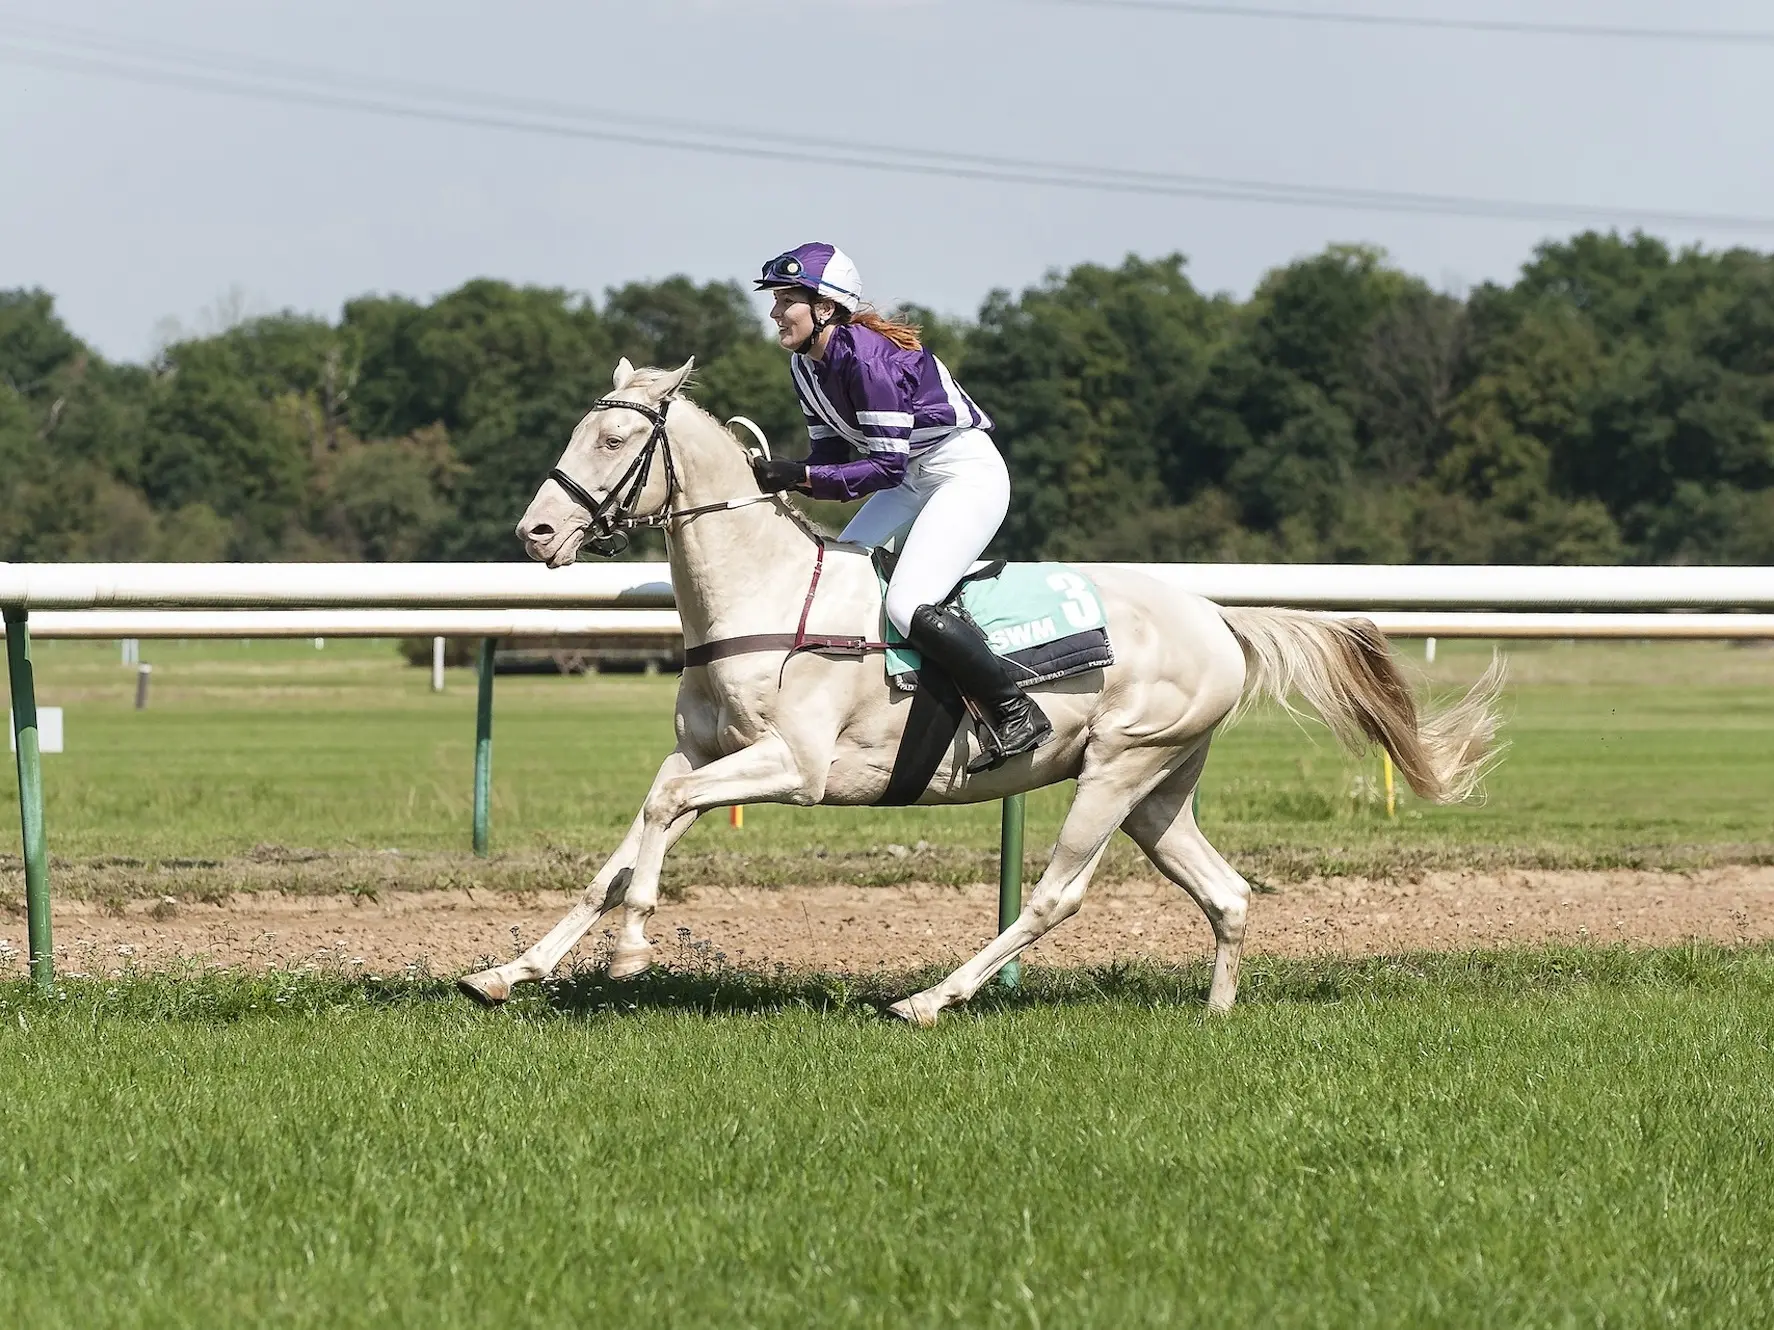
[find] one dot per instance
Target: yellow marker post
(736, 816)
(1391, 794)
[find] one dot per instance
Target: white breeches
(954, 497)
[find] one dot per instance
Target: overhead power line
(213, 72)
(1513, 27)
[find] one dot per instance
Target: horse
(760, 717)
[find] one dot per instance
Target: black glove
(776, 474)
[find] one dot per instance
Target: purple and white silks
(886, 404)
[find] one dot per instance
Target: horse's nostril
(541, 531)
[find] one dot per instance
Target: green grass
(1548, 1137)
(1621, 755)
(1555, 1137)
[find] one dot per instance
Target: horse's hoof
(489, 987)
(920, 1010)
(630, 961)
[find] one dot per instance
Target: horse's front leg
(766, 772)
(605, 892)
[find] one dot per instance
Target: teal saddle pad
(1045, 617)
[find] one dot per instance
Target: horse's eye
(614, 441)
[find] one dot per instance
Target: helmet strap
(819, 326)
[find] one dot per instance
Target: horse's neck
(730, 570)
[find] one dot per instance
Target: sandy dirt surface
(870, 928)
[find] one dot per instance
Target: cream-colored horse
(764, 726)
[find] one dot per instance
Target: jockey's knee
(901, 605)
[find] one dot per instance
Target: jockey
(922, 453)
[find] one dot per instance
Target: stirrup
(994, 753)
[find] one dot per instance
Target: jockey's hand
(776, 474)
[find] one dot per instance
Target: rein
(613, 516)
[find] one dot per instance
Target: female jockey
(922, 454)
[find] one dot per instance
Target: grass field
(1534, 1138)
(1545, 1136)
(1620, 755)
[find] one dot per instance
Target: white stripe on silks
(874, 445)
(957, 398)
(930, 433)
(821, 432)
(980, 419)
(812, 392)
(900, 418)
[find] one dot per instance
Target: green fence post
(1010, 879)
(483, 746)
(30, 795)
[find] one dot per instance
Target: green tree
(33, 342)
(665, 323)
(1090, 378)
(213, 438)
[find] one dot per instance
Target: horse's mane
(649, 378)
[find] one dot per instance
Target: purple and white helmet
(824, 270)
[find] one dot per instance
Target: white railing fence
(77, 586)
(492, 601)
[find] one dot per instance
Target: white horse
(765, 724)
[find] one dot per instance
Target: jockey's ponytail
(906, 336)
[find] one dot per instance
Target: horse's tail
(1344, 669)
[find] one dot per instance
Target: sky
(149, 207)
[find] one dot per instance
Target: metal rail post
(483, 746)
(30, 795)
(1010, 879)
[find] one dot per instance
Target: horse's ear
(623, 376)
(669, 385)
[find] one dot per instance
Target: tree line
(1614, 404)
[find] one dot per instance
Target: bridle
(613, 516)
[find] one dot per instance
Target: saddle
(1045, 618)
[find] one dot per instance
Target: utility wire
(454, 97)
(1181, 8)
(564, 121)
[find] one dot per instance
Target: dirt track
(852, 928)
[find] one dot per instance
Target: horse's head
(615, 466)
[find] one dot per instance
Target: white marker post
(437, 664)
(1429, 651)
(49, 730)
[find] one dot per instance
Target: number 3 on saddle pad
(1046, 617)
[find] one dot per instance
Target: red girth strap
(792, 643)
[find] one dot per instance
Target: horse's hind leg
(1163, 825)
(1103, 799)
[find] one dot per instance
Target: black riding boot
(1014, 724)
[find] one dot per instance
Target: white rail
(1681, 627)
(123, 624)
(198, 586)
(108, 625)
(1470, 587)
(36, 587)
